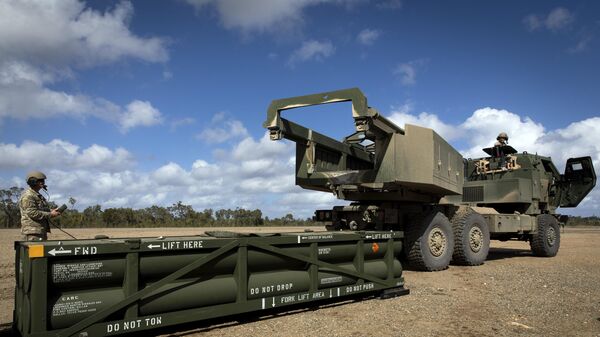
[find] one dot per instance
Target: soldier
(502, 139)
(35, 211)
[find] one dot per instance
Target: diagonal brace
(146, 291)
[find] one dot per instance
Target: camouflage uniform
(502, 139)
(35, 216)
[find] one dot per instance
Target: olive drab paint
(397, 162)
(129, 285)
(511, 192)
(410, 179)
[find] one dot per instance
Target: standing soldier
(501, 141)
(35, 211)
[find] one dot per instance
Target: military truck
(510, 195)
(411, 180)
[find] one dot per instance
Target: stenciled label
(325, 251)
(71, 305)
(319, 237)
(134, 324)
(271, 288)
(173, 245)
(271, 302)
(330, 280)
(67, 272)
(379, 236)
(79, 250)
(359, 287)
(314, 237)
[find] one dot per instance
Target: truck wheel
(546, 241)
(430, 242)
(472, 238)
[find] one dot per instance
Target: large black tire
(546, 241)
(430, 242)
(471, 238)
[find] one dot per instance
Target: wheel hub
(475, 239)
(437, 242)
(551, 236)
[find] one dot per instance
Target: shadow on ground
(494, 254)
(507, 253)
(6, 330)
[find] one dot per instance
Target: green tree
(9, 205)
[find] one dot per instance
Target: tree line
(177, 215)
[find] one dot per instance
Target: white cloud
(558, 19)
(59, 153)
(311, 50)
(368, 36)
(171, 175)
(402, 117)
(407, 72)
(582, 43)
(222, 129)
(255, 173)
(260, 14)
(45, 42)
(15, 72)
(248, 147)
(182, 122)
(203, 170)
(139, 113)
(479, 130)
(577, 139)
(485, 124)
(62, 33)
(99, 156)
(533, 22)
(23, 96)
(273, 16)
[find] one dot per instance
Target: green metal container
(118, 286)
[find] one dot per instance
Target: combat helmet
(502, 135)
(34, 176)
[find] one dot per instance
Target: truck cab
(525, 183)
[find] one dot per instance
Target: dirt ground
(513, 293)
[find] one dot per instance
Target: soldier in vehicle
(502, 139)
(35, 211)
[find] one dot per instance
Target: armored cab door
(577, 182)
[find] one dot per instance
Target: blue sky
(129, 104)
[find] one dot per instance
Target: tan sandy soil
(512, 294)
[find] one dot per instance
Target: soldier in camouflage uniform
(502, 139)
(35, 211)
